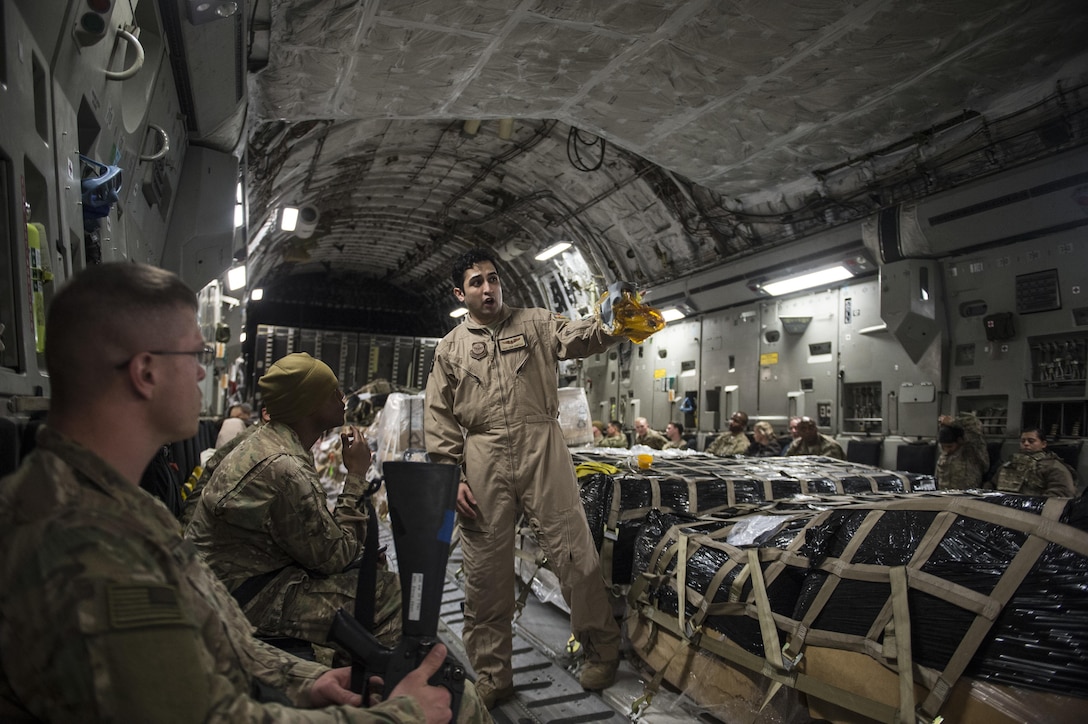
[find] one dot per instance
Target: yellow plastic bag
(629, 317)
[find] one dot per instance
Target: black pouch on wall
(999, 326)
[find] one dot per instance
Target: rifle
(422, 500)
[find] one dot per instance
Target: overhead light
(230, 301)
(242, 336)
(205, 11)
(459, 312)
(553, 250)
(256, 295)
(236, 277)
(239, 216)
(289, 218)
(671, 314)
(806, 281)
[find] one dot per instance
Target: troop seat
(917, 457)
(866, 452)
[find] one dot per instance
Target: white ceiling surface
(744, 98)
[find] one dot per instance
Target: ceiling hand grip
(164, 147)
(136, 64)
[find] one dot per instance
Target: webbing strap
(1014, 575)
(681, 580)
(797, 641)
(802, 682)
(902, 633)
(772, 650)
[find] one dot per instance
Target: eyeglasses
(204, 356)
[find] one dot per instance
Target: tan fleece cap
(296, 386)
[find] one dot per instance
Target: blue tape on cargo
(445, 533)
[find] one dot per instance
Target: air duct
(1031, 202)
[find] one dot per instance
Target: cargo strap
(797, 680)
(894, 621)
(1021, 564)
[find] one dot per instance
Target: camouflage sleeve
(715, 448)
(1057, 479)
(301, 524)
(95, 628)
(973, 439)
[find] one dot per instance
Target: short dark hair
(678, 425)
(466, 261)
(949, 434)
(1037, 430)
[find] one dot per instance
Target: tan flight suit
(499, 388)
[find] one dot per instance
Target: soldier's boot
(490, 696)
(597, 675)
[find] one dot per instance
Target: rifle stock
(422, 500)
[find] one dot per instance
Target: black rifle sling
(368, 572)
(364, 596)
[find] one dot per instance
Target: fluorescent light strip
(552, 250)
(236, 278)
(289, 218)
(459, 312)
(672, 314)
(805, 281)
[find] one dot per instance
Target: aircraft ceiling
(661, 138)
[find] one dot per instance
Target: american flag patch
(139, 606)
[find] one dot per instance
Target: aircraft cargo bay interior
(811, 277)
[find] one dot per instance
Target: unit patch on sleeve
(509, 344)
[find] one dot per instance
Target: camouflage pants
(298, 605)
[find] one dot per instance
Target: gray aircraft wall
(1006, 337)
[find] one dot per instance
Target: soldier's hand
(466, 501)
(356, 450)
(435, 700)
(331, 688)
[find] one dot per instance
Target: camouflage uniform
(965, 467)
(206, 472)
(264, 511)
(107, 614)
(728, 444)
(680, 444)
(1037, 473)
(825, 446)
(613, 441)
(652, 438)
